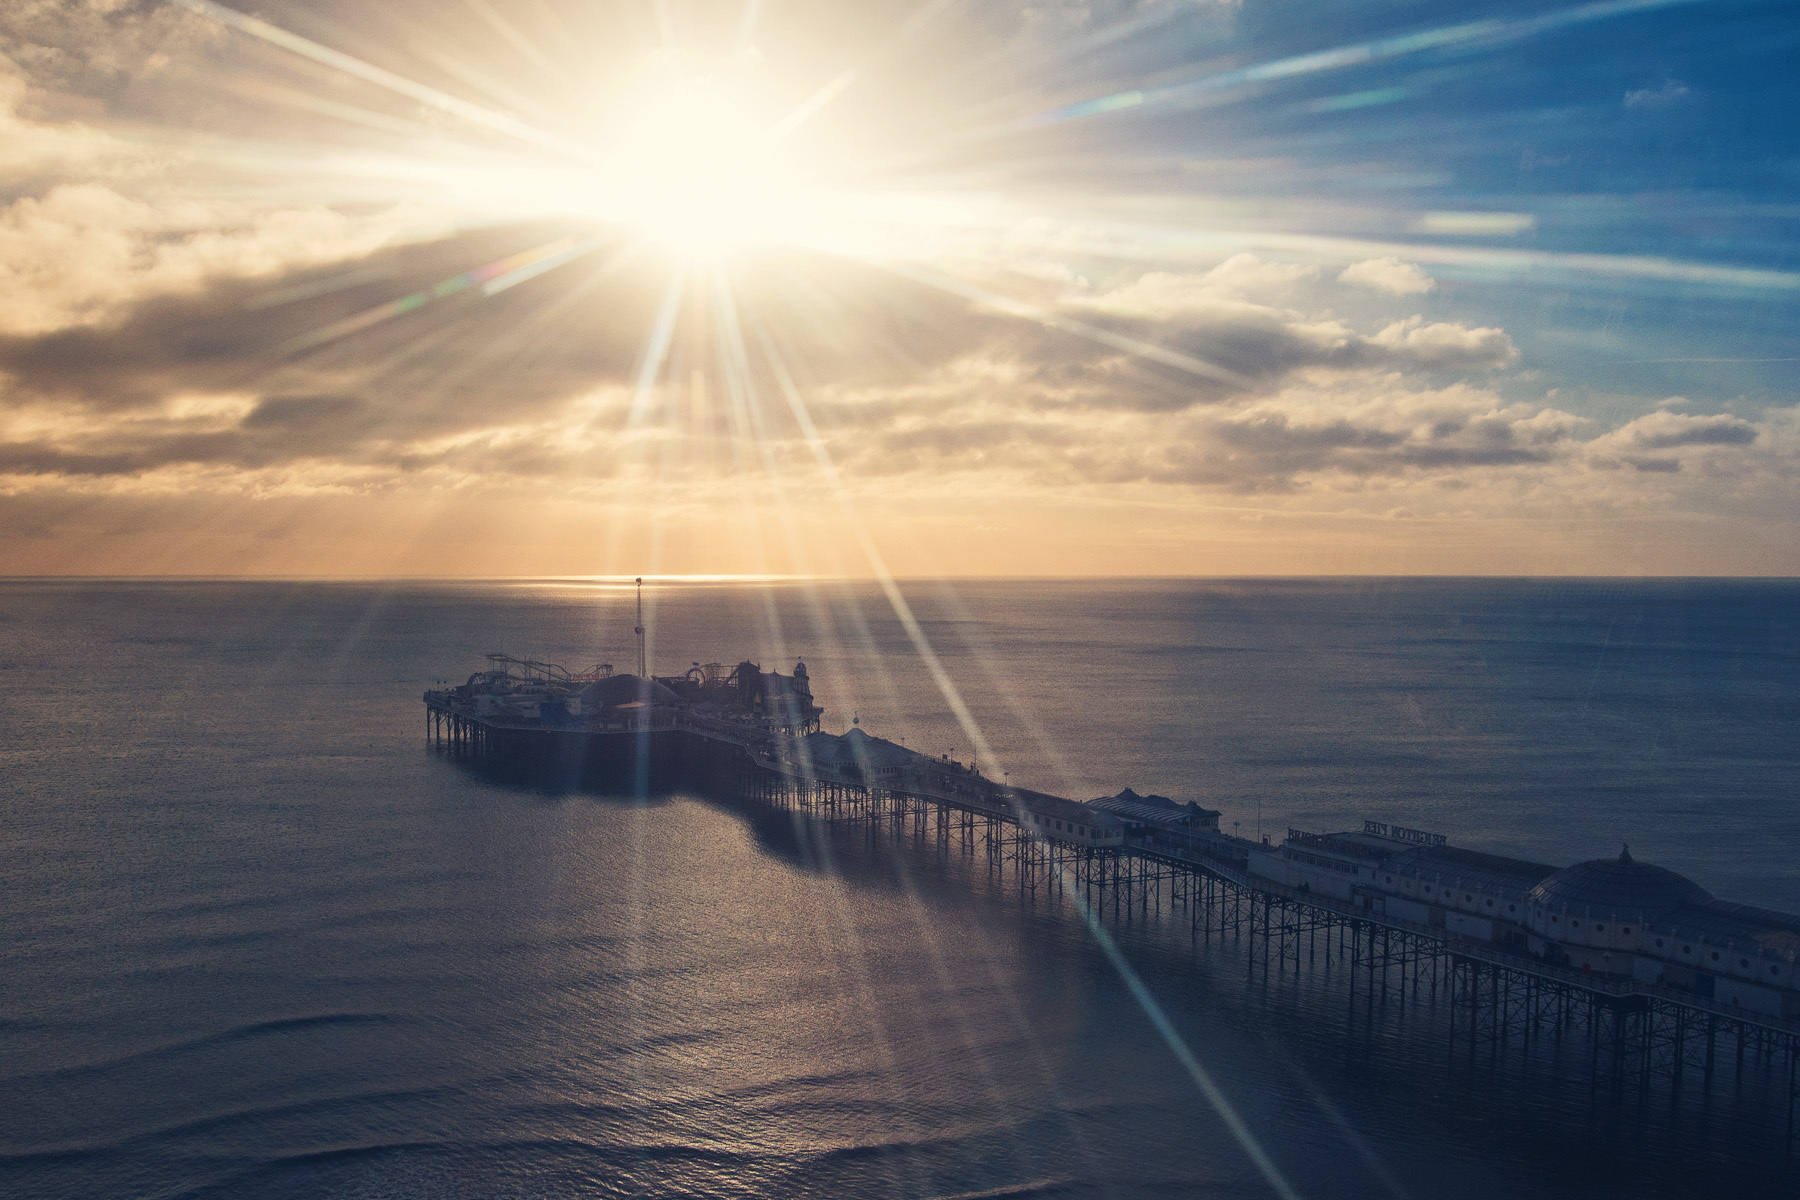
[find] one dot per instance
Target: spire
(1625, 853)
(643, 666)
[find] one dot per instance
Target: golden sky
(1126, 286)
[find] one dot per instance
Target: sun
(697, 166)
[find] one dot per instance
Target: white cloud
(1388, 274)
(35, 148)
(1171, 295)
(1666, 430)
(80, 252)
(1475, 224)
(1671, 91)
(1663, 441)
(1212, 314)
(1227, 290)
(1249, 275)
(104, 219)
(1443, 344)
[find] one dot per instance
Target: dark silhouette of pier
(1637, 1039)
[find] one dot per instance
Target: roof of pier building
(827, 749)
(1059, 809)
(1470, 868)
(1154, 810)
(865, 747)
(626, 689)
(1619, 885)
(1350, 843)
(855, 748)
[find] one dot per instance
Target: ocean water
(257, 939)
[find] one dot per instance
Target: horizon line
(627, 580)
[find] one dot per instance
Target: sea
(259, 938)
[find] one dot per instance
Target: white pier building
(1616, 918)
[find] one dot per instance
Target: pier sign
(1402, 834)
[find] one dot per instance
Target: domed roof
(1618, 885)
(625, 689)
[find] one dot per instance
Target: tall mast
(643, 667)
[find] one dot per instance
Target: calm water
(256, 940)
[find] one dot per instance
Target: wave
(224, 1037)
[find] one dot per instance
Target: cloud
(533, 379)
(1308, 439)
(96, 220)
(1658, 97)
(1325, 432)
(1475, 224)
(1390, 275)
(197, 378)
(300, 412)
(1443, 344)
(83, 253)
(187, 391)
(1667, 430)
(1249, 275)
(224, 331)
(1659, 441)
(1210, 315)
(146, 152)
(1057, 19)
(30, 149)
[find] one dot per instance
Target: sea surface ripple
(257, 939)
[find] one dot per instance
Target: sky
(944, 288)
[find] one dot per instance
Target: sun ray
(474, 114)
(984, 755)
(656, 347)
(492, 279)
(1469, 35)
(516, 38)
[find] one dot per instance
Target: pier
(1495, 988)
